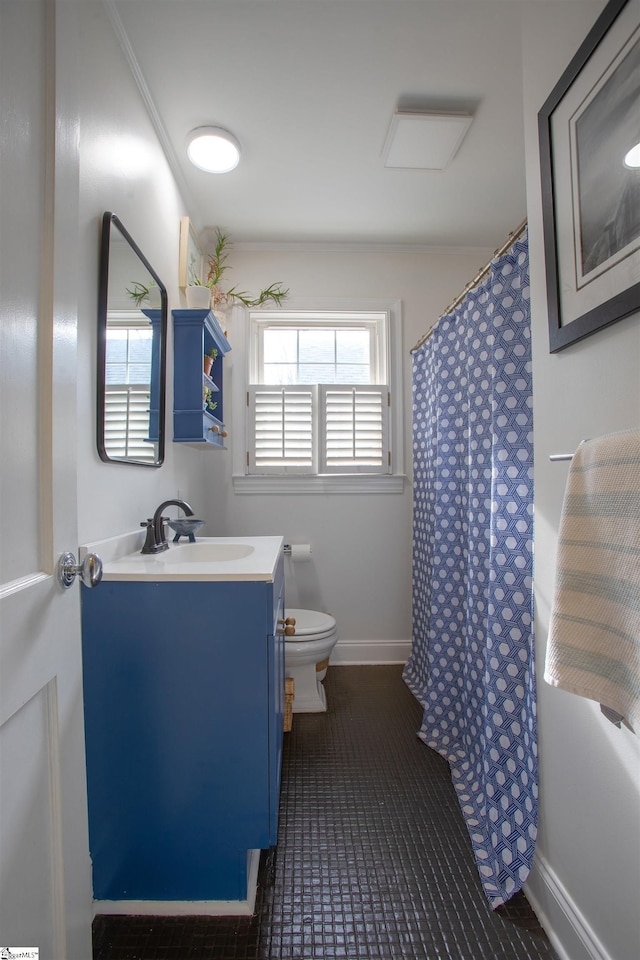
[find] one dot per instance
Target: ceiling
(309, 88)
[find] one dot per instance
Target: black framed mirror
(132, 349)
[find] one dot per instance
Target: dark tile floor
(373, 859)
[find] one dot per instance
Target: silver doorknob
(90, 570)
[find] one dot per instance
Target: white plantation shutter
(348, 426)
(281, 419)
(127, 422)
(354, 429)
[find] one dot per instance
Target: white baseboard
(355, 652)
(188, 908)
(566, 926)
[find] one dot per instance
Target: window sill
(335, 483)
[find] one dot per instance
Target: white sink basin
(205, 553)
(209, 558)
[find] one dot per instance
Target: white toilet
(315, 637)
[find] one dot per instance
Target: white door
(45, 888)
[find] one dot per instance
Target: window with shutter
(127, 376)
(319, 401)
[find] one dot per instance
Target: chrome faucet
(155, 540)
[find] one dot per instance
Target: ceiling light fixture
(632, 159)
(424, 141)
(213, 149)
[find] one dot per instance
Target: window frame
(242, 331)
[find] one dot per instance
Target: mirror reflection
(132, 325)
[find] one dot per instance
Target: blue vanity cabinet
(195, 332)
(184, 702)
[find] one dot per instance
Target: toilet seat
(311, 625)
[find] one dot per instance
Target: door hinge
(247, 458)
(389, 457)
(247, 398)
(388, 398)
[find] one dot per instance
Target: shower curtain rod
(473, 283)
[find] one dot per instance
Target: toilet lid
(311, 622)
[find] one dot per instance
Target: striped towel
(593, 648)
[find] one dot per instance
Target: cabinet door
(276, 707)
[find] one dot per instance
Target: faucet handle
(150, 539)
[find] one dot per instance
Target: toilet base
(309, 695)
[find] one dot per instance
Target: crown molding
(310, 246)
(145, 93)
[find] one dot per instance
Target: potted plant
(215, 296)
(208, 403)
(209, 360)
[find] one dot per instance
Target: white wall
(360, 569)
(587, 875)
(122, 169)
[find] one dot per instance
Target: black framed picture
(589, 135)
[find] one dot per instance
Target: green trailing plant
(138, 292)
(207, 399)
(218, 266)
(213, 353)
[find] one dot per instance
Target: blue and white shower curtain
(472, 661)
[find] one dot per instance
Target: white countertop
(249, 558)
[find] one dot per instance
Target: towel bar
(562, 456)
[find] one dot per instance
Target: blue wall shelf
(195, 332)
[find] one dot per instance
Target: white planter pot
(198, 298)
(155, 298)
